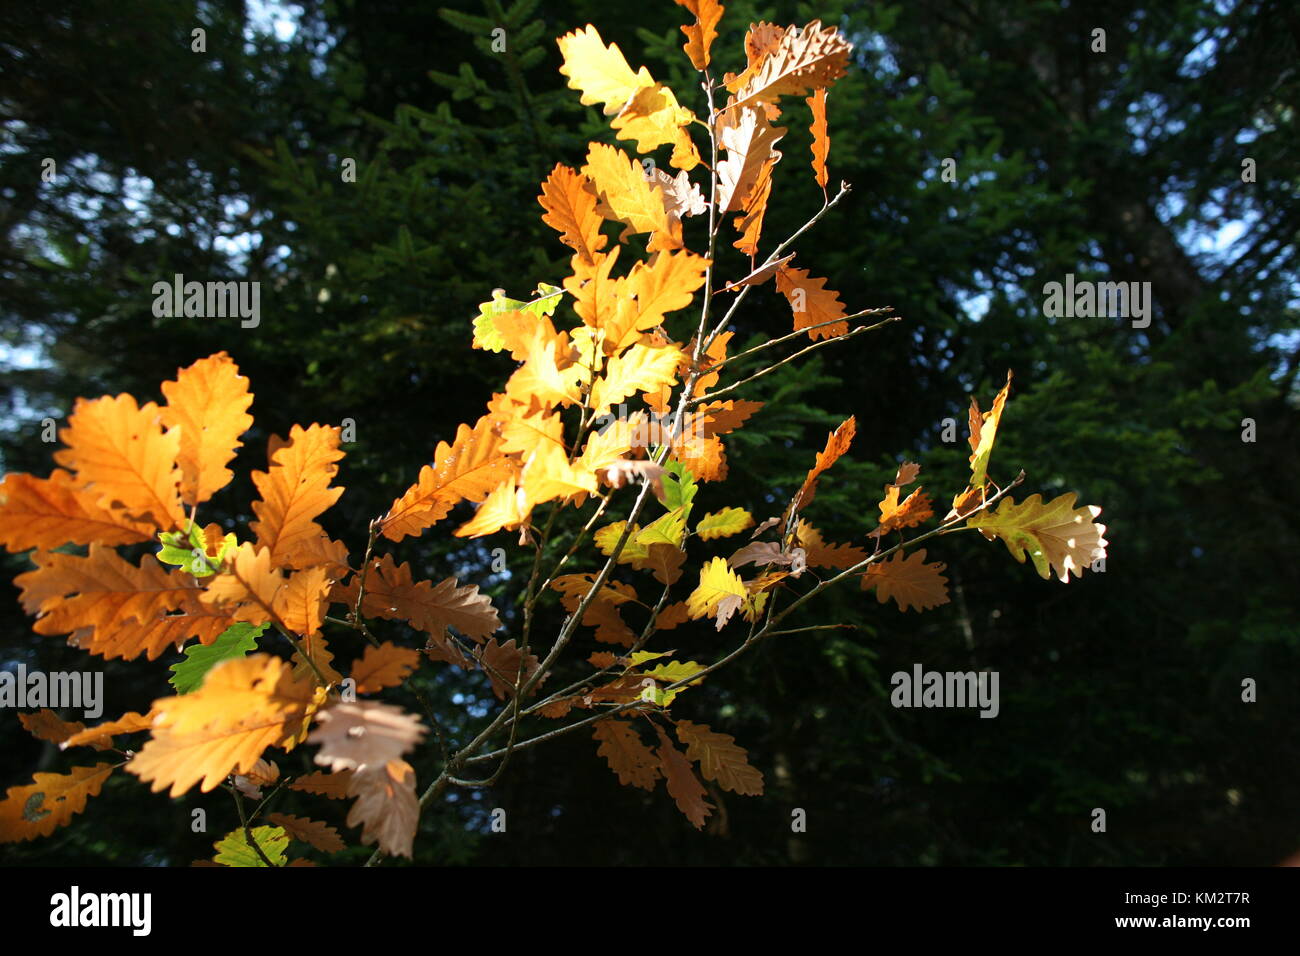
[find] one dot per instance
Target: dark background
(1119, 691)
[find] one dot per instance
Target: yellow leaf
(1057, 536)
(208, 402)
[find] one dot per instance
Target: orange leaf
(128, 723)
(571, 211)
(391, 593)
(122, 451)
(812, 303)
(45, 724)
(719, 759)
(48, 802)
(386, 807)
(50, 512)
(837, 443)
(332, 785)
(466, 470)
(894, 515)
(507, 667)
(384, 666)
(700, 34)
(790, 64)
(628, 197)
(244, 705)
(209, 403)
(821, 145)
(295, 491)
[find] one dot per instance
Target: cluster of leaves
(558, 436)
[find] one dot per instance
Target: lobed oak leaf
(628, 197)
(621, 746)
(1057, 536)
(683, 786)
(909, 580)
(719, 759)
(895, 514)
(393, 594)
(507, 667)
(790, 64)
(467, 470)
(234, 849)
(837, 443)
(600, 72)
(386, 806)
(571, 211)
(49, 801)
(983, 431)
(45, 724)
(296, 490)
(384, 666)
(719, 594)
(49, 512)
(701, 33)
(724, 523)
(208, 403)
(364, 734)
(821, 145)
(812, 303)
(320, 835)
(121, 453)
(822, 554)
(244, 706)
(332, 785)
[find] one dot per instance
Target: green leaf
(486, 335)
(679, 487)
(233, 848)
(673, 671)
(235, 641)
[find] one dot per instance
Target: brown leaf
(719, 759)
(386, 806)
(683, 785)
(322, 836)
(332, 785)
(910, 581)
(621, 746)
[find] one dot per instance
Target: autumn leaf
(50, 512)
(361, 734)
(895, 514)
(108, 601)
(1057, 536)
(332, 785)
(45, 724)
(100, 735)
(639, 369)
(719, 759)
(749, 140)
(570, 203)
(820, 553)
(651, 118)
(812, 303)
(721, 524)
(983, 431)
(683, 786)
(49, 802)
(719, 594)
(393, 594)
(621, 746)
(384, 666)
(802, 60)
(600, 72)
(208, 403)
(701, 33)
(821, 145)
(909, 580)
(837, 443)
(322, 836)
(628, 197)
(466, 470)
(295, 491)
(244, 706)
(386, 806)
(121, 451)
(507, 667)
